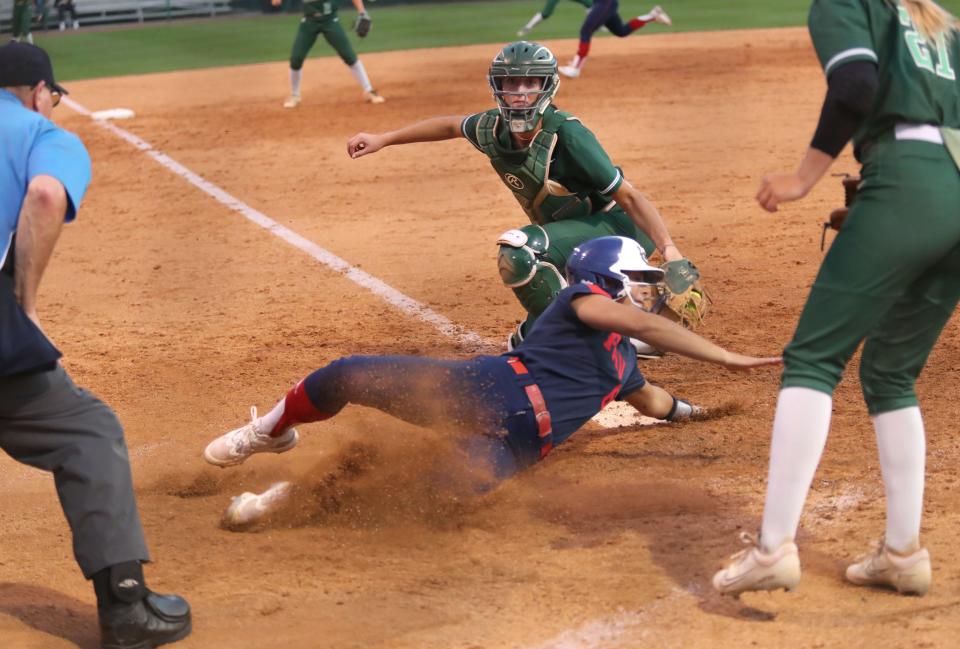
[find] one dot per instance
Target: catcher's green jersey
(320, 8)
(548, 8)
(918, 80)
(576, 162)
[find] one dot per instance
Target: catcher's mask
(619, 266)
(524, 59)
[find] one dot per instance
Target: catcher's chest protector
(543, 200)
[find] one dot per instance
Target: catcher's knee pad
(524, 268)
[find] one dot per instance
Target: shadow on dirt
(51, 612)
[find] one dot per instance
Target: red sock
(297, 409)
(636, 23)
(583, 49)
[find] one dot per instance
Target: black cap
(23, 64)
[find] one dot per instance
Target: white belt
(923, 132)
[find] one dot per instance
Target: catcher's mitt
(686, 300)
(850, 186)
(362, 24)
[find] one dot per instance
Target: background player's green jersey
(918, 80)
(320, 8)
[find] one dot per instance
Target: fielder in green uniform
(320, 17)
(555, 168)
(22, 21)
(546, 12)
(891, 279)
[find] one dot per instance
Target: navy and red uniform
(579, 369)
(606, 13)
(514, 408)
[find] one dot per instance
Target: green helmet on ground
(524, 59)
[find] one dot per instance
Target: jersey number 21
(921, 52)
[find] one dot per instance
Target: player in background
(509, 410)
(21, 22)
(555, 168)
(320, 17)
(890, 280)
(605, 13)
(546, 12)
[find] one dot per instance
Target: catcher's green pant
(891, 278)
(332, 31)
(22, 17)
(566, 235)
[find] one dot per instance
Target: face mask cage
(655, 294)
(523, 119)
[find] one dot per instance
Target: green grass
(179, 45)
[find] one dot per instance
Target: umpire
(45, 420)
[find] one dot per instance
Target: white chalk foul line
(376, 286)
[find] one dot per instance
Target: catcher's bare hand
(740, 362)
(671, 253)
(780, 188)
(363, 144)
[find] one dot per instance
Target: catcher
(320, 17)
(511, 410)
(564, 182)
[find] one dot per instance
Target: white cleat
(909, 575)
(523, 31)
(373, 97)
(660, 16)
(239, 444)
(644, 350)
(292, 102)
(569, 71)
(249, 508)
(754, 569)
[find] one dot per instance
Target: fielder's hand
(362, 24)
(780, 188)
(362, 144)
(276, 3)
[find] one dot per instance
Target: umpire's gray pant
(47, 422)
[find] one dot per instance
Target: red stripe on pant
(297, 409)
(544, 424)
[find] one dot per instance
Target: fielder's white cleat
(239, 444)
(248, 508)
(908, 574)
(660, 16)
(569, 71)
(373, 97)
(523, 31)
(754, 569)
(292, 102)
(644, 350)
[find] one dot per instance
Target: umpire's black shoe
(147, 623)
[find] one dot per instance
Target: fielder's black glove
(362, 24)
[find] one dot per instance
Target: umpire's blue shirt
(30, 146)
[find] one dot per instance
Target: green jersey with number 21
(918, 79)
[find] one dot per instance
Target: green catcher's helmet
(524, 59)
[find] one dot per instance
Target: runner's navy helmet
(616, 265)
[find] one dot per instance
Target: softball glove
(362, 24)
(687, 301)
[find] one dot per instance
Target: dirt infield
(181, 314)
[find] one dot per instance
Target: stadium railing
(90, 12)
